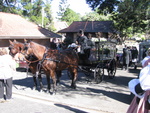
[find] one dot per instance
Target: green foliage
(70, 16)
(63, 5)
(130, 16)
(94, 16)
(67, 14)
(104, 6)
(8, 6)
(32, 10)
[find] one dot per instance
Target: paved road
(110, 96)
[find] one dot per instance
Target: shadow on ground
(70, 108)
(91, 89)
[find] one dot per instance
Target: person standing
(146, 58)
(91, 48)
(53, 44)
(82, 44)
(86, 45)
(7, 69)
(82, 41)
(59, 45)
(127, 57)
(144, 52)
(140, 87)
(134, 52)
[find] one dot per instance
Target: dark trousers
(7, 84)
(139, 91)
(125, 66)
(87, 53)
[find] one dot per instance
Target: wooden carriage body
(105, 50)
(103, 57)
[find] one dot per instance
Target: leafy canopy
(130, 16)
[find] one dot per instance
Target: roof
(60, 25)
(90, 26)
(12, 25)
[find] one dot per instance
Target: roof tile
(90, 26)
(15, 25)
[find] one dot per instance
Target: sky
(79, 6)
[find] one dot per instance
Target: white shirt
(7, 66)
(144, 78)
(144, 60)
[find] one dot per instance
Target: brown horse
(16, 47)
(54, 61)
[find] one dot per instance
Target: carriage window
(105, 50)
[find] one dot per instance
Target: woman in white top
(142, 84)
(7, 69)
(146, 58)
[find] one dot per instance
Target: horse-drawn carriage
(54, 61)
(101, 59)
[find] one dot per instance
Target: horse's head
(15, 47)
(27, 50)
(33, 49)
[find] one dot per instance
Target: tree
(103, 6)
(131, 19)
(33, 10)
(94, 16)
(130, 16)
(69, 16)
(8, 6)
(63, 5)
(36, 11)
(48, 19)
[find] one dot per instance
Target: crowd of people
(83, 45)
(129, 57)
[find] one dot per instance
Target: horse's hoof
(53, 93)
(34, 88)
(58, 84)
(47, 91)
(41, 90)
(73, 86)
(58, 81)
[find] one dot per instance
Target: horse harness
(39, 65)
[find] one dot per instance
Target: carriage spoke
(99, 74)
(112, 69)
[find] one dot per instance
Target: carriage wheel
(112, 67)
(98, 74)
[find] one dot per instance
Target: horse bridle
(31, 55)
(12, 47)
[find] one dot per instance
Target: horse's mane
(19, 43)
(38, 49)
(37, 44)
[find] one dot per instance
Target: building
(13, 26)
(60, 25)
(103, 28)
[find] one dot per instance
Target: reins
(39, 65)
(31, 61)
(35, 60)
(58, 61)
